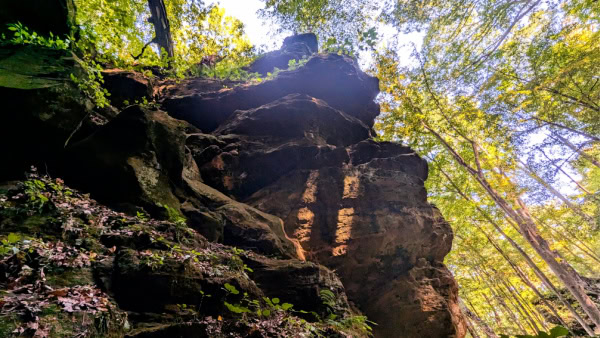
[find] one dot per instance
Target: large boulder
(142, 155)
(368, 219)
(256, 147)
(296, 47)
(335, 79)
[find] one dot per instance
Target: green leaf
(13, 238)
(236, 308)
(231, 289)
(266, 313)
(559, 331)
(275, 300)
(286, 306)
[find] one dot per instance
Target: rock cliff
(258, 180)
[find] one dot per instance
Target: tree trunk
(471, 329)
(559, 168)
(162, 28)
(570, 237)
(529, 306)
(522, 306)
(528, 229)
(561, 269)
(472, 316)
(526, 310)
(557, 194)
(577, 150)
(526, 280)
(503, 297)
(497, 317)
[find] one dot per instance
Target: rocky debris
(296, 47)
(72, 267)
(335, 79)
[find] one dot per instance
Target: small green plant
(294, 64)
(8, 244)
(248, 305)
(236, 262)
(349, 323)
(23, 36)
(141, 216)
(35, 190)
(153, 259)
(91, 83)
(557, 331)
(174, 215)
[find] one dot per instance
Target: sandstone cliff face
(286, 169)
(300, 147)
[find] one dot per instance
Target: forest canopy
(502, 98)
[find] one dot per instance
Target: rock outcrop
(296, 47)
(299, 147)
(286, 170)
(72, 267)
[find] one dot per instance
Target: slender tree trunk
(507, 309)
(475, 318)
(570, 237)
(521, 305)
(162, 28)
(529, 261)
(471, 328)
(559, 168)
(494, 311)
(562, 269)
(582, 262)
(575, 131)
(570, 278)
(557, 194)
(577, 150)
(530, 307)
(503, 297)
(498, 298)
(524, 278)
(526, 310)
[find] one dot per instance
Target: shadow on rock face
(296, 47)
(335, 79)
